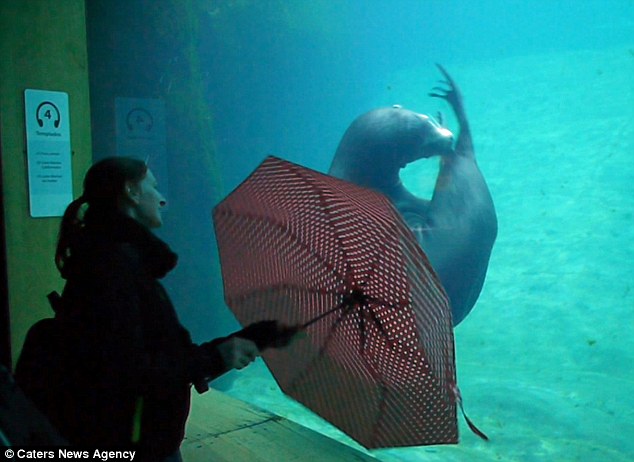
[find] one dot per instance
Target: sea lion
(458, 226)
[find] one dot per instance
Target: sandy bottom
(546, 359)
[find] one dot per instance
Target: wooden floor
(224, 429)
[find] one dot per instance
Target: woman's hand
(270, 334)
(238, 352)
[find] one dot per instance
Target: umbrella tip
(470, 424)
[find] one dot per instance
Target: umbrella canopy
(308, 249)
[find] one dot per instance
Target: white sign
(140, 128)
(48, 152)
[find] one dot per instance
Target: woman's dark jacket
(134, 361)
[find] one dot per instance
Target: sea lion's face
(437, 140)
(418, 136)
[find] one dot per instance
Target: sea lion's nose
(445, 133)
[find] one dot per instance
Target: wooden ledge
(224, 429)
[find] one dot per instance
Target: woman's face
(147, 201)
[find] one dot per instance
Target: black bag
(44, 366)
(21, 424)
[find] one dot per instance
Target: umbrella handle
(321, 316)
(343, 303)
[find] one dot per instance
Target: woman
(133, 362)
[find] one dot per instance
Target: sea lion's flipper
(452, 94)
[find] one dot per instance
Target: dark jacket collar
(156, 255)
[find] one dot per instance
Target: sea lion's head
(385, 140)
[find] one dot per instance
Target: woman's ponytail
(69, 231)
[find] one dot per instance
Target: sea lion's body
(458, 226)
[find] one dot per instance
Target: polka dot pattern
(379, 363)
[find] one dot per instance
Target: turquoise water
(545, 360)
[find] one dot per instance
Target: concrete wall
(42, 46)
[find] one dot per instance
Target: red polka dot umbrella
(308, 249)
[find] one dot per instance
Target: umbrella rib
(373, 369)
(382, 253)
(381, 302)
(383, 389)
(297, 239)
(326, 342)
(326, 209)
(377, 322)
